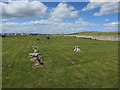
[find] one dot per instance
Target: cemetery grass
(96, 66)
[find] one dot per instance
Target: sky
(58, 17)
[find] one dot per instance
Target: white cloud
(107, 20)
(93, 5)
(105, 7)
(104, 0)
(45, 26)
(111, 26)
(79, 29)
(54, 23)
(20, 9)
(20, 29)
(0, 28)
(63, 11)
(80, 22)
(41, 22)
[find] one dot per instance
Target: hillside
(94, 33)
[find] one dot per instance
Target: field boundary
(99, 37)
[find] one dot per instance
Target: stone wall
(101, 37)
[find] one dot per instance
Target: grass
(0, 63)
(96, 66)
(96, 33)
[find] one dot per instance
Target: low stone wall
(101, 37)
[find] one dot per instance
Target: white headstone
(77, 48)
(36, 51)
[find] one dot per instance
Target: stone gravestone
(35, 49)
(77, 48)
(36, 58)
(38, 39)
(34, 43)
(48, 37)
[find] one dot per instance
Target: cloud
(0, 28)
(41, 22)
(80, 22)
(20, 9)
(105, 7)
(54, 23)
(107, 20)
(104, 0)
(63, 11)
(79, 29)
(14, 29)
(112, 26)
(45, 26)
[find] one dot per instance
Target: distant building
(19, 34)
(61, 34)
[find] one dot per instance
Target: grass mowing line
(52, 48)
(11, 55)
(58, 71)
(53, 45)
(68, 59)
(56, 49)
(69, 56)
(97, 75)
(110, 66)
(101, 69)
(62, 48)
(17, 59)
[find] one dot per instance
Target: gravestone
(35, 49)
(36, 58)
(34, 43)
(48, 37)
(77, 49)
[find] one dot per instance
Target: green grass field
(96, 33)
(96, 66)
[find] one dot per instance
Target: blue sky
(59, 17)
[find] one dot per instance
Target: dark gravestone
(41, 63)
(38, 39)
(3, 36)
(48, 37)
